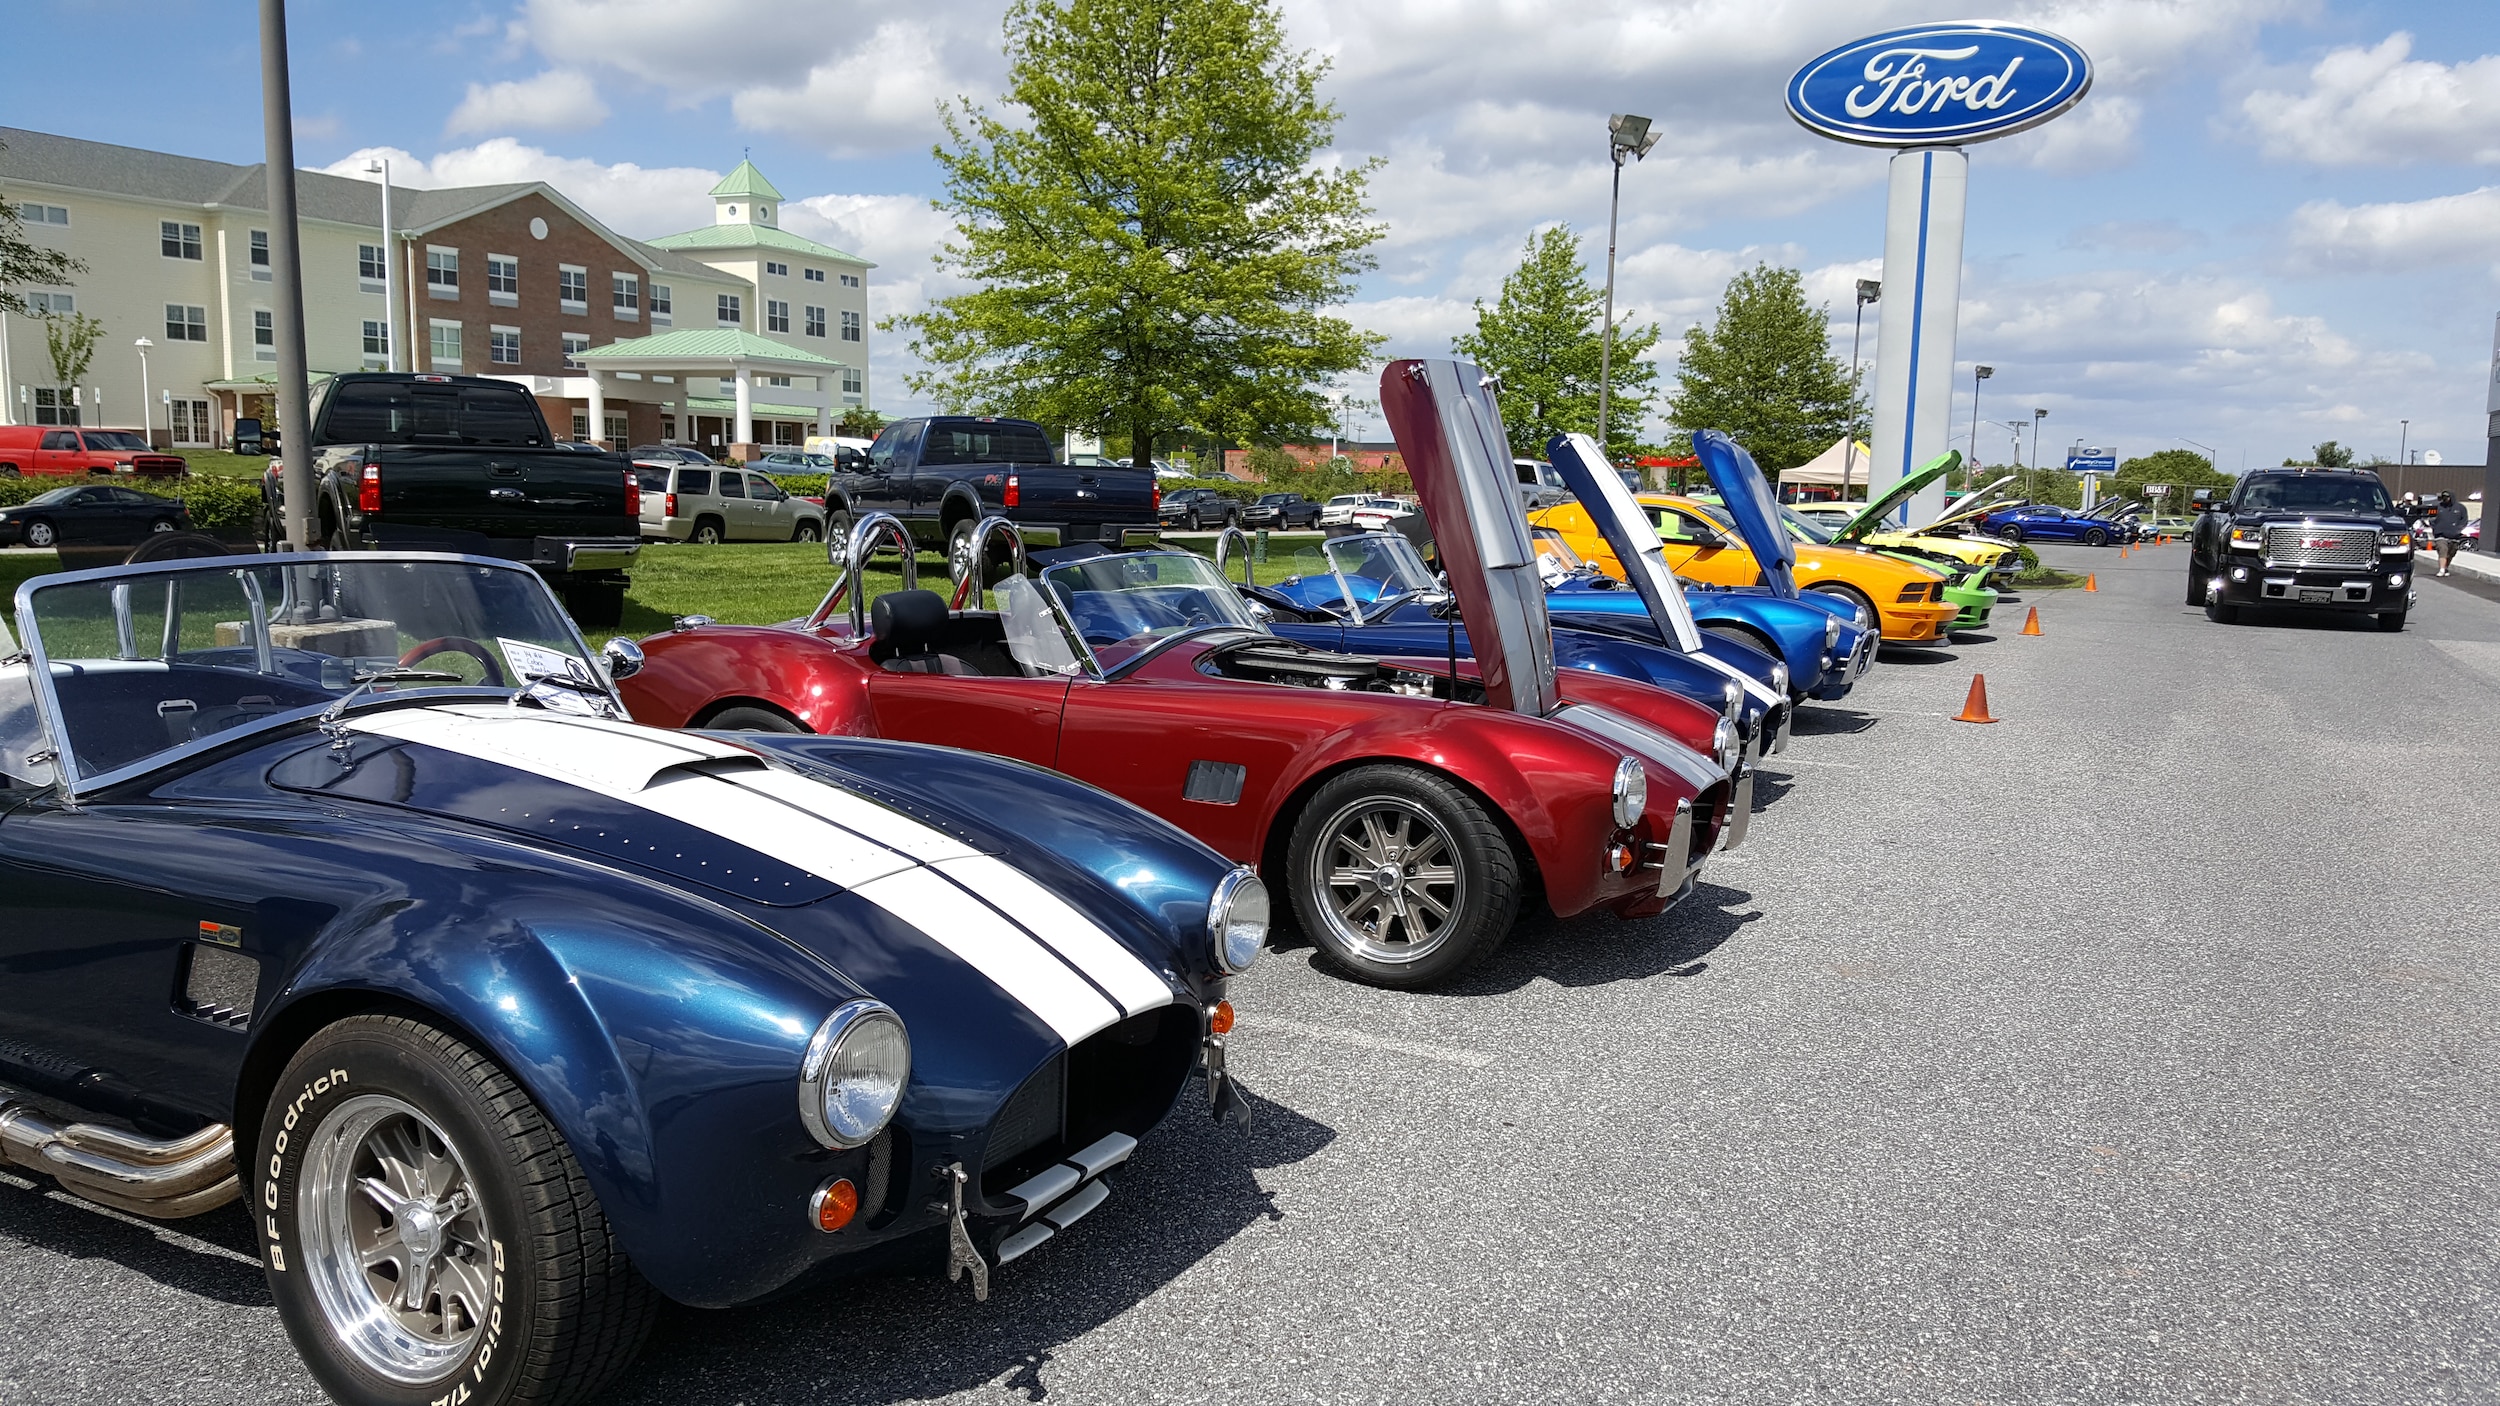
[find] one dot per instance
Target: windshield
(57, 495)
(115, 441)
(145, 665)
(1554, 557)
(429, 412)
(1122, 605)
(1378, 571)
(1800, 527)
(2316, 493)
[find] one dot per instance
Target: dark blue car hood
(1752, 506)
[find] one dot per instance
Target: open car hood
(1751, 505)
(1627, 530)
(1450, 432)
(1871, 517)
(1969, 506)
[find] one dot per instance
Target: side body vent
(220, 986)
(1216, 783)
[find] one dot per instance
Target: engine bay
(1282, 662)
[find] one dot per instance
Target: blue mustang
(2046, 522)
(341, 885)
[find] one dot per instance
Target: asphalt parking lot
(2139, 1048)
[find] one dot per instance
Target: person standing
(2448, 529)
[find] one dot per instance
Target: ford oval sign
(1939, 85)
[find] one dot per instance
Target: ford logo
(1939, 85)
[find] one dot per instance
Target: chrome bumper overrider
(1052, 1199)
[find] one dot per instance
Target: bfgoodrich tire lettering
(388, 1143)
(1456, 887)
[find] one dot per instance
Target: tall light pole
(286, 273)
(147, 417)
(2404, 436)
(2211, 461)
(2037, 415)
(1977, 375)
(1869, 290)
(390, 279)
(1626, 135)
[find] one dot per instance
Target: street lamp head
(143, 344)
(373, 168)
(1870, 290)
(1983, 372)
(1630, 133)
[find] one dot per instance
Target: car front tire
(42, 534)
(1855, 597)
(392, 1151)
(2012, 533)
(2221, 612)
(2198, 576)
(808, 531)
(707, 532)
(1452, 887)
(2391, 621)
(2095, 537)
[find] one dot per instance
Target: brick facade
(538, 312)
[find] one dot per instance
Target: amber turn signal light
(1220, 1020)
(834, 1204)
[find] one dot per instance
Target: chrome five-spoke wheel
(399, 1251)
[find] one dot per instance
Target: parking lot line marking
(1446, 1054)
(1790, 761)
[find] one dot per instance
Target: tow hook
(1224, 1098)
(960, 1254)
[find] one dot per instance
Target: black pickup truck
(467, 464)
(2306, 539)
(942, 474)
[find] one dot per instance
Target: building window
(581, 426)
(659, 302)
(573, 288)
(815, 322)
(503, 279)
(377, 342)
(625, 294)
(668, 427)
(503, 346)
(46, 304)
(618, 432)
(183, 322)
(260, 255)
(777, 270)
(178, 241)
(56, 407)
(443, 341)
(776, 315)
(850, 280)
(729, 309)
(575, 343)
(851, 384)
(191, 422)
(264, 336)
(779, 383)
(442, 273)
(850, 326)
(815, 275)
(371, 263)
(35, 214)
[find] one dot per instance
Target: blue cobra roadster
(342, 886)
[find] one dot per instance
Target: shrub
(802, 485)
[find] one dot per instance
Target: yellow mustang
(1990, 554)
(1907, 600)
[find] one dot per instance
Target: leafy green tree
(1764, 373)
(1543, 336)
(70, 343)
(859, 422)
(2331, 455)
(1152, 238)
(2181, 469)
(23, 262)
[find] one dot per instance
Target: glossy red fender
(1669, 712)
(1141, 735)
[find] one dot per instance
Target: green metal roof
(746, 180)
(752, 236)
(704, 343)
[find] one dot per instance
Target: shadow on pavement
(78, 1231)
(1591, 950)
(1915, 657)
(909, 1334)
(1830, 720)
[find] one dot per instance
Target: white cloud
(2400, 236)
(881, 95)
(2380, 105)
(558, 100)
(639, 201)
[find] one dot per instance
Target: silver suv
(710, 503)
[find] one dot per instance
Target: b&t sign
(1939, 85)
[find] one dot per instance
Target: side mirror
(622, 657)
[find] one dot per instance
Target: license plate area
(2316, 594)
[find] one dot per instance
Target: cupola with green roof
(744, 197)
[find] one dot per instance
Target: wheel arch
(1275, 859)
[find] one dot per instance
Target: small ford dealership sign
(1939, 85)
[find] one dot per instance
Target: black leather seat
(905, 627)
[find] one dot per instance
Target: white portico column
(824, 406)
(1922, 300)
(746, 405)
(598, 432)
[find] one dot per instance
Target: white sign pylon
(1922, 299)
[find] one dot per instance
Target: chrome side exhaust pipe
(162, 1179)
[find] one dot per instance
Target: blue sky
(2272, 222)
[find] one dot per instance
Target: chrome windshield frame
(1093, 662)
(1381, 605)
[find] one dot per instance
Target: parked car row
(515, 986)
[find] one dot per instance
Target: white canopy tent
(1825, 469)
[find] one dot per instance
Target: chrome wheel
(1388, 880)
(397, 1245)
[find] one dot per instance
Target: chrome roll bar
(1224, 549)
(968, 570)
(854, 560)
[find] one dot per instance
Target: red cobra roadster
(1405, 808)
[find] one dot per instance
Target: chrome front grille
(2313, 544)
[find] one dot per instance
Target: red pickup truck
(46, 449)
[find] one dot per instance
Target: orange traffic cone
(1975, 707)
(2091, 582)
(2031, 622)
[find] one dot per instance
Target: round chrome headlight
(1237, 918)
(851, 1079)
(1779, 679)
(1632, 788)
(1726, 744)
(1731, 698)
(1831, 631)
